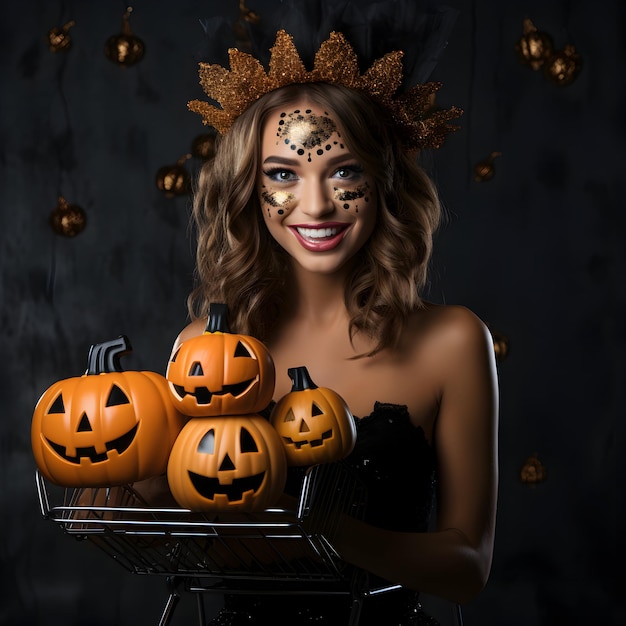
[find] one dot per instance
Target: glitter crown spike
(336, 63)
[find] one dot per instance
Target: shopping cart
(278, 551)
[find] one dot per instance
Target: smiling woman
(315, 226)
(306, 163)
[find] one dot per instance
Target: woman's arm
(454, 561)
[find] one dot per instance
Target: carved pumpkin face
(234, 463)
(314, 423)
(221, 373)
(105, 427)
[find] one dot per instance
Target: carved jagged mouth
(208, 487)
(120, 445)
(204, 396)
(314, 443)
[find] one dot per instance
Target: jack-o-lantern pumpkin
(234, 463)
(107, 427)
(315, 424)
(221, 373)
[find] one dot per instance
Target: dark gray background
(537, 252)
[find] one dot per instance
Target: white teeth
(317, 233)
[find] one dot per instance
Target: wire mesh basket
(275, 551)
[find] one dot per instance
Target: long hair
(239, 263)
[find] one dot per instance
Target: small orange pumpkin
(315, 423)
(234, 463)
(221, 373)
(107, 427)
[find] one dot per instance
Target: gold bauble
(247, 14)
(484, 170)
(242, 38)
(533, 471)
(203, 146)
(67, 219)
(59, 39)
(563, 66)
(174, 180)
(500, 345)
(124, 49)
(534, 47)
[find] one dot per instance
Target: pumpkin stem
(218, 318)
(104, 358)
(300, 378)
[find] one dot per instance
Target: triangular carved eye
(117, 397)
(57, 405)
(84, 426)
(196, 369)
(173, 359)
(207, 443)
(315, 410)
(290, 417)
(241, 350)
(246, 442)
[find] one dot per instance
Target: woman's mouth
(320, 238)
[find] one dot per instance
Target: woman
(315, 227)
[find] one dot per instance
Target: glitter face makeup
(349, 197)
(317, 201)
(278, 200)
(307, 133)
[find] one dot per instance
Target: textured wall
(537, 252)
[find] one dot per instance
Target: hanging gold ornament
(59, 38)
(67, 219)
(242, 39)
(533, 471)
(534, 47)
(124, 49)
(500, 345)
(484, 170)
(203, 146)
(563, 66)
(174, 180)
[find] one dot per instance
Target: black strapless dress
(396, 464)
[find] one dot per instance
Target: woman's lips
(320, 237)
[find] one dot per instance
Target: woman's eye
(280, 175)
(349, 172)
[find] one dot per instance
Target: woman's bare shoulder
(193, 329)
(449, 318)
(451, 328)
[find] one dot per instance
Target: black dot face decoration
(280, 201)
(350, 198)
(307, 133)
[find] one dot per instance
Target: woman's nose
(316, 200)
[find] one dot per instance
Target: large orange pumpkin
(107, 427)
(221, 373)
(315, 423)
(234, 463)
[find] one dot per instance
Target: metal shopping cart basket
(273, 552)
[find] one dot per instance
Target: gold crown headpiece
(336, 63)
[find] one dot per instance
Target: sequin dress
(396, 463)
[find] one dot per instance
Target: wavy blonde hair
(239, 263)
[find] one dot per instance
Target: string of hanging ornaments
(203, 146)
(174, 179)
(536, 50)
(66, 219)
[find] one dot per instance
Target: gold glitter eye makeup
(280, 201)
(305, 132)
(350, 197)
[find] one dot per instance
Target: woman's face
(317, 202)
